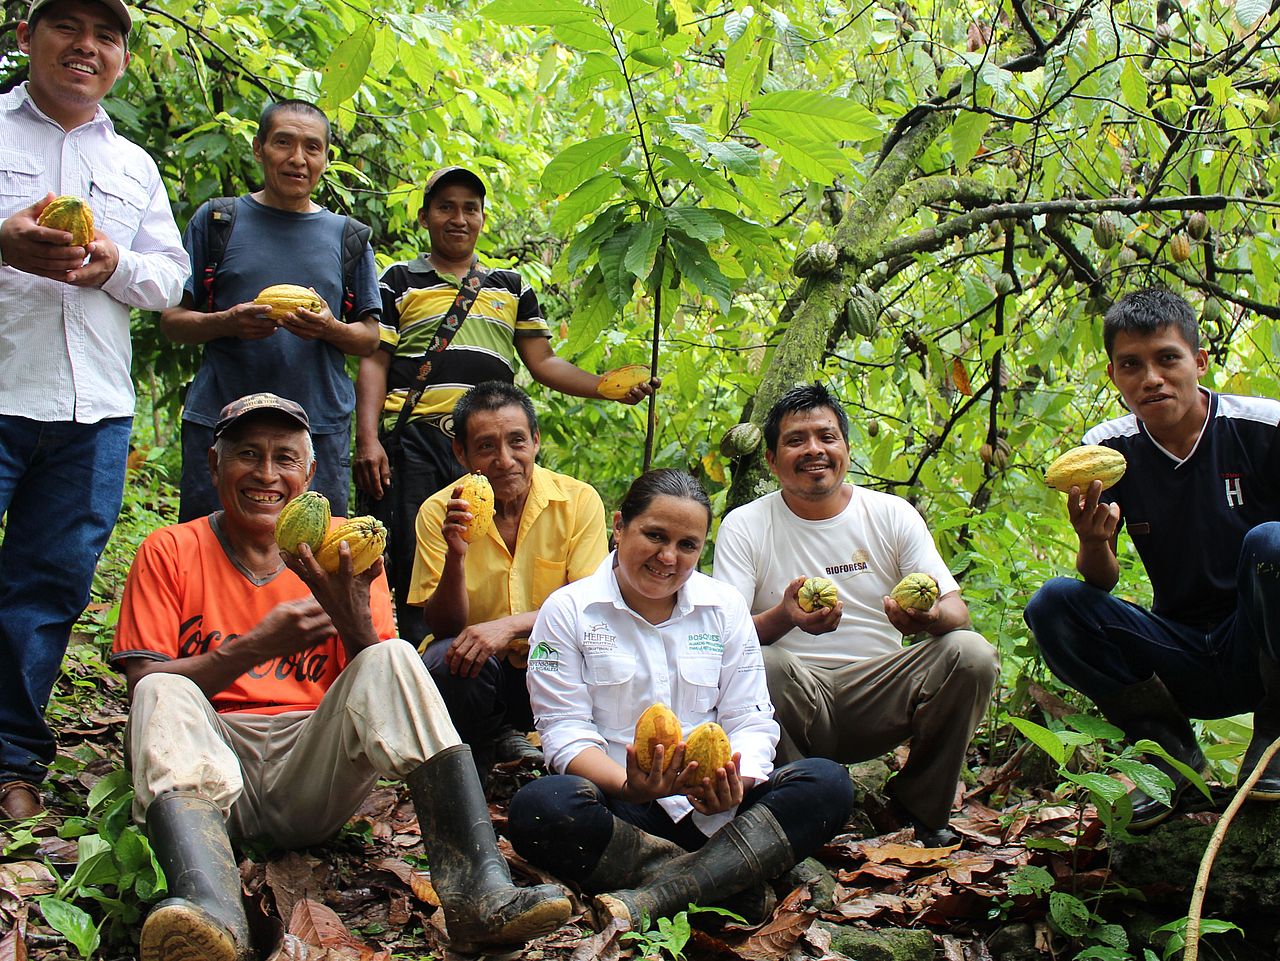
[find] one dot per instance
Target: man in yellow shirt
(479, 600)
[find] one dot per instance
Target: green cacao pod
(862, 316)
(1180, 248)
(1081, 466)
(873, 427)
(1105, 232)
(815, 593)
(740, 440)
(1003, 284)
(284, 299)
(985, 453)
(304, 520)
(816, 259)
(366, 538)
(1127, 257)
(916, 592)
(1198, 225)
(70, 214)
(1211, 312)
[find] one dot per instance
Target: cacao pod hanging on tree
(1198, 225)
(1127, 257)
(740, 440)
(816, 259)
(1105, 232)
(1211, 312)
(1180, 248)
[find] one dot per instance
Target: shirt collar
(20, 97)
(695, 592)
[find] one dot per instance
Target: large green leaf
(581, 161)
(816, 116)
(347, 65)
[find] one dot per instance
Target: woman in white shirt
(645, 628)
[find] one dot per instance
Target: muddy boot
(1266, 728)
(750, 849)
(1148, 710)
(203, 918)
(512, 745)
(481, 905)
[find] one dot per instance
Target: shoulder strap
(222, 217)
(448, 329)
(355, 237)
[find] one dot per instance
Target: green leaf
(1133, 87)
(644, 245)
(584, 199)
(1095, 727)
(593, 314)
(820, 162)
(696, 263)
(967, 131)
(1069, 913)
(1105, 789)
(586, 241)
(582, 160)
(1042, 738)
(618, 281)
(697, 223)
(739, 158)
(347, 66)
(71, 922)
(1030, 879)
(586, 35)
(633, 16)
(816, 116)
(543, 13)
(1249, 12)
(117, 780)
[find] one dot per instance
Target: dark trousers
(563, 823)
(479, 706)
(421, 464)
(61, 485)
(197, 498)
(1100, 644)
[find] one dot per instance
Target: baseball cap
(118, 7)
(452, 175)
(256, 404)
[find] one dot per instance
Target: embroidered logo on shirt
(598, 639)
(544, 657)
(705, 644)
(1235, 489)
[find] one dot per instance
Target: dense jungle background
(992, 176)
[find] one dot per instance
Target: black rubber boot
(203, 918)
(748, 850)
(481, 905)
(1266, 728)
(512, 745)
(1147, 710)
(633, 856)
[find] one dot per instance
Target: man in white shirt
(66, 395)
(842, 684)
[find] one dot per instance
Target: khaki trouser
(933, 693)
(292, 778)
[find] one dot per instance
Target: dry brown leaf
(292, 877)
(419, 882)
(13, 946)
(952, 950)
(885, 872)
(777, 937)
(960, 377)
(870, 906)
(907, 854)
(603, 946)
(27, 879)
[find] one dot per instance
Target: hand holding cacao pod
(816, 593)
(476, 490)
(1081, 466)
(366, 539)
(915, 592)
(304, 520)
(616, 384)
(657, 725)
(708, 744)
(72, 215)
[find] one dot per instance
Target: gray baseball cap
(118, 7)
(452, 175)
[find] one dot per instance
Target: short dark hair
(662, 482)
(291, 105)
(1147, 311)
(802, 397)
(491, 395)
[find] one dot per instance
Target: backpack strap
(355, 237)
(222, 217)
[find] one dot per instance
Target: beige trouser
(292, 778)
(933, 693)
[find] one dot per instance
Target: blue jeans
(563, 823)
(61, 485)
(1099, 644)
(198, 498)
(479, 706)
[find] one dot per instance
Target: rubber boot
(632, 856)
(748, 850)
(1147, 710)
(1266, 728)
(481, 905)
(203, 919)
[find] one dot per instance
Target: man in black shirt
(1200, 500)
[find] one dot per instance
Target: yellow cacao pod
(70, 214)
(709, 746)
(304, 520)
(1180, 247)
(816, 592)
(616, 383)
(657, 725)
(366, 539)
(478, 493)
(1081, 466)
(284, 299)
(915, 592)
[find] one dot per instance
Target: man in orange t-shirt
(268, 695)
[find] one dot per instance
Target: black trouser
(421, 464)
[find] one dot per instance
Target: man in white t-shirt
(842, 684)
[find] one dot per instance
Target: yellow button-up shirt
(561, 539)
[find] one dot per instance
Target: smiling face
(77, 50)
(657, 551)
(453, 217)
(812, 456)
(263, 465)
(1158, 375)
(501, 446)
(293, 156)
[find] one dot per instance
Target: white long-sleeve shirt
(595, 665)
(65, 350)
